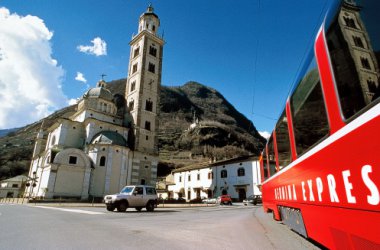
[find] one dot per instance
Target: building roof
(109, 137)
(98, 92)
(17, 178)
(203, 165)
(149, 11)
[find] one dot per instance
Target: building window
(349, 22)
(53, 140)
(153, 51)
(241, 172)
(198, 176)
(189, 194)
(210, 175)
(147, 125)
(223, 173)
(146, 137)
(148, 105)
(72, 160)
(152, 68)
(189, 177)
(133, 86)
(131, 105)
(134, 68)
(372, 86)
(180, 178)
(358, 41)
(136, 52)
(365, 63)
(150, 190)
(102, 161)
(15, 185)
(142, 182)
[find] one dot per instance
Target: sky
(250, 51)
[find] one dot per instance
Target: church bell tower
(142, 96)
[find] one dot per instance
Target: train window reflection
(355, 56)
(283, 143)
(271, 157)
(308, 110)
(265, 165)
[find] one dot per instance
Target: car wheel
(150, 206)
(138, 209)
(255, 203)
(110, 208)
(122, 206)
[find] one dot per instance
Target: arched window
(102, 161)
(133, 86)
(148, 105)
(223, 173)
(131, 105)
(241, 172)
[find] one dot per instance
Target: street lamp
(32, 181)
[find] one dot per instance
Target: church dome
(109, 137)
(99, 92)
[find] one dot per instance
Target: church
(102, 146)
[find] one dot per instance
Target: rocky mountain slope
(196, 124)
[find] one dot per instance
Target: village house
(239, 177)
(13, 187)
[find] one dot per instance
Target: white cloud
(265, 134)
(80, 77)
(73, 101)
(99, 47)
(30, 79)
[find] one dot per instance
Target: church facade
(98, 150)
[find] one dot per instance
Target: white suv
(138, 196)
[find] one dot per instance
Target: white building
(13, 187)
(102, 146)
(239, 177)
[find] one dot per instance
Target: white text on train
(315, 186)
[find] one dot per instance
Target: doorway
(242, 194)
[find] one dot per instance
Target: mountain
(196, 124)
(4, 132)
(199, 121)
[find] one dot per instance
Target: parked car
(224, 200)
(137, 197)
(252, 200)
(209, 200)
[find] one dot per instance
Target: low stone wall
(14, 200)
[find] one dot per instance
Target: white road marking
(71, 210)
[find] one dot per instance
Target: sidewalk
(89, 204)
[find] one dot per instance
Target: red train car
(321, 165)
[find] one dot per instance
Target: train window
(283, 142)
(265, 166)
(356, 67)
(310, 122)
(271, 156)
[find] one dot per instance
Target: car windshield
(126, 190)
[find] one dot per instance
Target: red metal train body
(321, 165)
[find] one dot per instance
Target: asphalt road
(220, 227)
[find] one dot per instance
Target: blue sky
(248, 50)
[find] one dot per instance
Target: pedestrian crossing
(70, 210)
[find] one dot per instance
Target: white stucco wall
(232, 183)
